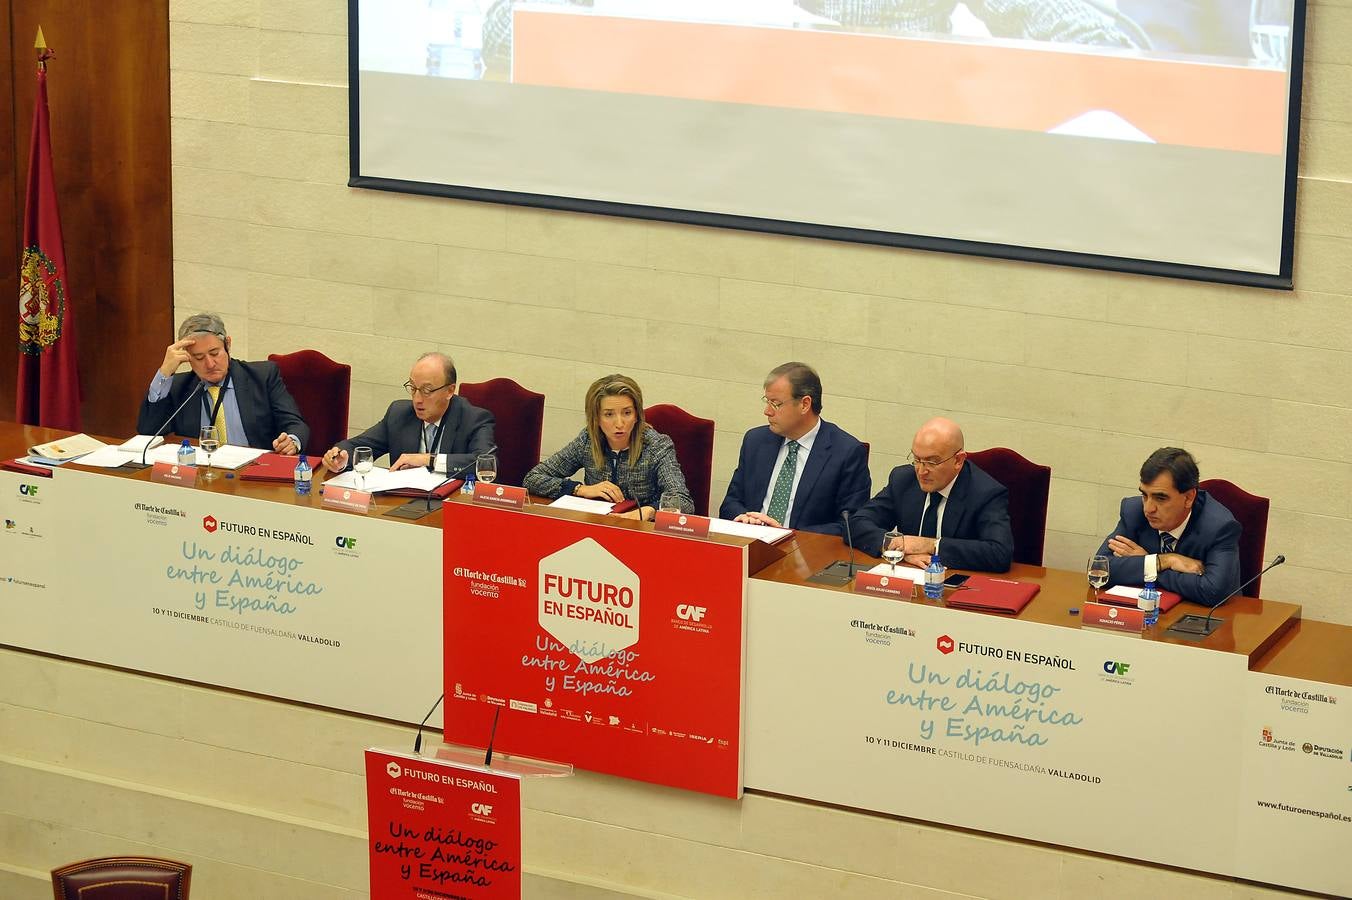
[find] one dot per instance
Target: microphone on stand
(417, 741)
(146, 449)
(841, 571)
(1196, 627)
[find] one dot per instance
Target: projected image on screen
(1141, 131)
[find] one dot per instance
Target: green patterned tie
(779, 500)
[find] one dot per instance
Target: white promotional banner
(291, 601)
(1295, 803)
(1052, 734)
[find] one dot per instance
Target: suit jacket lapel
(816, 463)
(761, 468)
(450, 426)
(956, 504)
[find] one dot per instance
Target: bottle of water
(468, 486)
(934, 579)
(187, 456)
(302, 476)
(1149, 602)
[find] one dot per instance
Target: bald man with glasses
(436, 427)
(940, 503)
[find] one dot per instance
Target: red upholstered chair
(519, 425)
(1251, 512)
(1028, 484)
(694, 440)
(122, 878)
(322, 389)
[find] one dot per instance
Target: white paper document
(379, 480)
(138, 443)
(764, 533)
(1124, 591)
(908, 572)
(109, 458)
(584, 504)
(227, 457)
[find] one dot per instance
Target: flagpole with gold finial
(44, 53)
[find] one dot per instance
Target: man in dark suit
(941, 503)
(798, 471)
(1175, 535)
(437, 427)
(246, 401)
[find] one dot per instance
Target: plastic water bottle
(934, 579)
(1149, 602)
(468, 486)
(187, 456)
(302, 476)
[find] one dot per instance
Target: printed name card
(1124, 619)
(681, 523)
(880, 585)
(501, 495)
(173, 473)
(346, 498)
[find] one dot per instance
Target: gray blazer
(657, 471)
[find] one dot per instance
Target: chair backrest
(1028, 484)
(1251, 512)
(519, 425)
(322, 390)
(123, 878)
(694, 440)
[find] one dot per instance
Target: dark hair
(803, 381)
(1178, 463)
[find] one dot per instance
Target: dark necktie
(1167, 542)
(779, 498)
(929, 524)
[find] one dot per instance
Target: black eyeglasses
(425, 391)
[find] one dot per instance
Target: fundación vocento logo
(589, 600)
(944, 644)
(392, 769)
(210, 524)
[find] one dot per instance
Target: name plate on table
(501, 495)
(880, 585)
(346, 498)
(1123, 619)
(681, 523)
(173, 473)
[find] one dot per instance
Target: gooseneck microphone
(417, 741)
(849, 538)
(1201, 626)
(146, 449)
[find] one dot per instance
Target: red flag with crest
(49, 378)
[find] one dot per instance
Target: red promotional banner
(439, 831)
(617, 650)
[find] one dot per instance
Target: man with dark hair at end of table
(247, 402)
(940, 503)
(798, 470)
(1174, 534)
(436, 427)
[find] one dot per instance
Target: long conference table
(1029, 726)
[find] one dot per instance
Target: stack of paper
(379, 480)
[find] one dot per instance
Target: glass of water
(362, 461)
(669, 502)
(486, 468)
(209, 444)
(1098, 572)
(892, 548)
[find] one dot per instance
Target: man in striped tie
(246, 402)
(1174, 534)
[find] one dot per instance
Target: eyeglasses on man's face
(930, 462)
(425, 391)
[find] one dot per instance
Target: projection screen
(1154, 136)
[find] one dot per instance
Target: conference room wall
(1084, 371)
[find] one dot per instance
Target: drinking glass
(1098, 572)
(209, 444)
(486, 468)
(362, 462)
(893, 554)
(669, 502)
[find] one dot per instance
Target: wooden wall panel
(108, 89)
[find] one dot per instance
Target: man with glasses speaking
(940, 503)
(798, 470)
(436, 427)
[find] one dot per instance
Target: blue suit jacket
(976, 532)
(266, 408)
(835, 478)
(1212, 536)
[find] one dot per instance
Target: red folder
(275, 467)
(1001, 595)
(14, 465)
(1168, 600)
